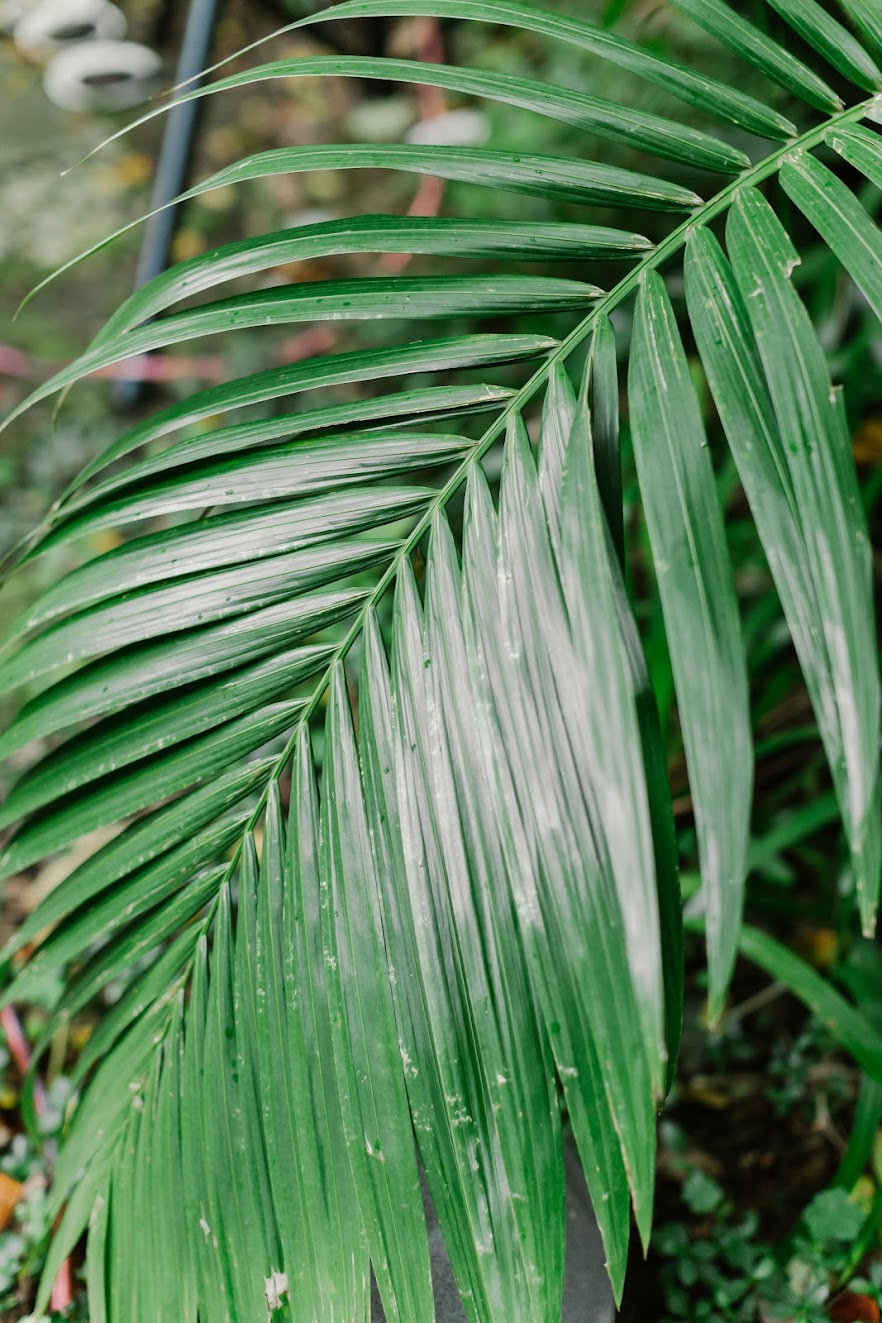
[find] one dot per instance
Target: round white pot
(101, 76)
(52, 25)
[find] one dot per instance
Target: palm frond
(468, 932)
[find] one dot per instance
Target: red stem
(62, 1290)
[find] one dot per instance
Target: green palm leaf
(337, 370)
(746, 40)
(833, 41)
(696, 89)
(467, 937)
(698, 598)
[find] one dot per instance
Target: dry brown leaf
(10, 1193)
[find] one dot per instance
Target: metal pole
(172, 166)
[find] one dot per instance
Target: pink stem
(62, 1291)
(159, 367)
(16, 1041)
(62, 1288)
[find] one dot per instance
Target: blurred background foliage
(764, 1106)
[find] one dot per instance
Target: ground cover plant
(384, 720)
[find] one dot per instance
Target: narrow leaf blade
(701, 614)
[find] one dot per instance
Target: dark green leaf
(188, 603)
(144, 842)
(837, 45)
(861, 147)
(837, 215)
(603, 389)
(324, 464)
(606, 119)
(450, 1174)
(707, 94)
(367, 1052)
(866, 18)
(773, 473)
(534, 241)
(468, 1038)
(407, 408)
(746, 40)
(557, 682)
(142, 671)
(431, 356)
(379, 297)
(331, 1261)
(115, 799)
(701, 614)
(162, 981)
(585, 182)
(154, 726)
(226, 539)
(817, 452)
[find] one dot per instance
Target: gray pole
(172, 166)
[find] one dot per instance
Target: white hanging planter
(52, 25)
(101, 76)
(11, 11)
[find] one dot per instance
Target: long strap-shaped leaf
(558, 177)
(866, 18)
(456, 1004)
(652, 133)
(140, 672)
(120, 741)
(371, 1083)
(787, 525)
(114, 1093)
(409, 408)
(825, 594)
(598, 431)
(588, 578)
(296, 469)
(861, 147)
(225, 540)
(141, 844)
(162, 980)
(701, 614)
(445, 1150)
(197, 761)
(176, 1293)
(746, 40)
(519, 1069)
(324, 1250)
(837, 45)
(336, 300)
(574, 436)
(544, 176)
(566, 898)
(434, 235)
(817, 450)
(707, 94)
(840, 219)
(441, 356)
(183, 603)
(242, 1224)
